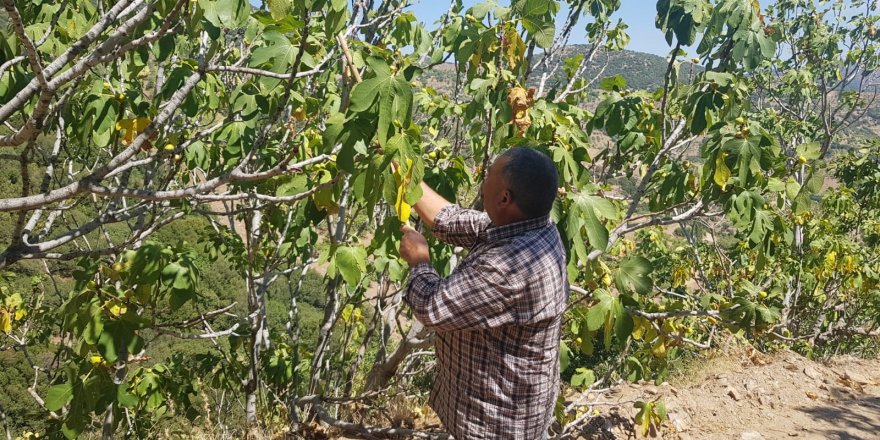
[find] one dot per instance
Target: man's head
(521, 184)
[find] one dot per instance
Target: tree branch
(75, 49)
(228, 332)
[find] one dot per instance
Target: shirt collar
(493, 233)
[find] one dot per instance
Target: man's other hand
(414, 247)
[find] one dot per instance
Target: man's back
(497, 319)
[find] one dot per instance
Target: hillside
(641, 70)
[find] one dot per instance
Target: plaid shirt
(497, 319)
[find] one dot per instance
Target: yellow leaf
(324, 199)
(518, 98)
(402, 208)
(756, 6)
(5, 322)
(650, 333)
(831, 258)
(299, 114)
(722, 173)
(19, 314)
(659, 348)
(639, 326)
(115, 307)
(514, 47)
(132, 127)
(520, 101)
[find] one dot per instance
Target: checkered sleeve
(458, 226)
(477, 296)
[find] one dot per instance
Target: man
(498, 315)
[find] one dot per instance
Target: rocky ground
(738, 395)
(753, 397)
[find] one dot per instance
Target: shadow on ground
(852, 418)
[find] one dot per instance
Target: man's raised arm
(429, 205)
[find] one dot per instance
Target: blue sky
(638, 14)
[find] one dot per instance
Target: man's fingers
(407, 229)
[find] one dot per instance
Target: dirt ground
(743, 396)
(752, 397)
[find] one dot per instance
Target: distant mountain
(641, 70)
(873, 79)
(866, 83)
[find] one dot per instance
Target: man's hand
(414, 247)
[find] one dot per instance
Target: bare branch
(228, 332)
(671, 143)
(199, 319)
(75, 49)
(678, 313)
(81, 186)
(146, 39)
(10, 63)
(29, 48)
(692, 212)
(198, 192)
(266, 73)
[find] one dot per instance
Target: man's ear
(506, 198)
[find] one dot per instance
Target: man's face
(496, 196)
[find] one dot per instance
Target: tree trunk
(794, 290)
(5, 423)
(381, 374)
(257, 316)
(293, 331)
(107, 429)
(331, 312)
